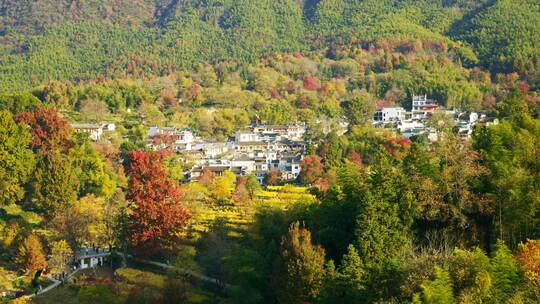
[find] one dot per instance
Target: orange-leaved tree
(528, 257)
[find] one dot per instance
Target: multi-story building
(393, 114)
(422, 107)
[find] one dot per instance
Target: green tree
(439, 290)
(152, 115)
(252, 185)
(380, 233)
(54, 186)
(505, 272)
(470, 272)
(360, 108)
(441, 122)
(18, 102)
(90, 169)
(347, 283)
(16, 159)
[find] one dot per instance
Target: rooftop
(90, 252)
(85, 126)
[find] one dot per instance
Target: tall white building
(390, 114)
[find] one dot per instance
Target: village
(257, 149)
(261, 148)
(414, 122)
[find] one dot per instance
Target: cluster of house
(258, 149)
(410, 123)
(94, 131)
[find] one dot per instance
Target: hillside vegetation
(80, 40)
(373, 217)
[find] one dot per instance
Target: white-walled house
(246, 136)
(154, 131)
(88, 257)
(111, 127)
(390, 114)
(94, 131)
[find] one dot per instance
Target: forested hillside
(446, 211)
(78, 40)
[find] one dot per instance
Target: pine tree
(380, 233)
(347, 283)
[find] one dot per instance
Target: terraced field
(237, 218)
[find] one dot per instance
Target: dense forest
(82, 40)
(374, 217)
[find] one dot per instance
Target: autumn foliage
(158, 214)
(397, 146)
(49, 130)
(310, 83)
(312, 169)
(30, 256)
(529, 259)
(355, 158)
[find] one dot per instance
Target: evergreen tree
(347, 284)
(16, 159)
(439, 290)
(54, 185)
(505, 273)
(380, 233)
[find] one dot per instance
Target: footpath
(55, 284)
(196, 275)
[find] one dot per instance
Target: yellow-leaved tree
(61, 255)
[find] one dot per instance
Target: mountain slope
(79, 40)
(505, 36)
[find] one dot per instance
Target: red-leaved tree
(158, 215)
(355, 158)
(312, 169)
(310, 83)
(49, 130)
